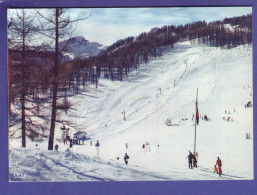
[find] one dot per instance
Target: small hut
(79, 136)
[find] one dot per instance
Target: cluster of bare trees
(36, 73)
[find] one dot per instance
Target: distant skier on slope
(219, 166)
(97, 148)
(56, 147)
(190, 160)
(126, 157)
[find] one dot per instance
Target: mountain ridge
(78, 46)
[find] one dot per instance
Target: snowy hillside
(224, 81)
(79, 46)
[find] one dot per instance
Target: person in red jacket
(219, 166)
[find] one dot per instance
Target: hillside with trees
(126, 55)
(41, 76)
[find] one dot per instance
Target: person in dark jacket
(97, 148)
(126, 157)
(190, 160)
(97, 144)
(194, 161)
(56, 147)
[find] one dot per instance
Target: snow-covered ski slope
(224, 81)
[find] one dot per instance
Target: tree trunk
(23, 121)
(23, 88)
(55, 86)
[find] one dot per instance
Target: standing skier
(143, 147)
(219, 166)
(97, 148)
(56, 147)
(194, 161)
(190, 159)
(126, 157)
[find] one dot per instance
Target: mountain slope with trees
(47, 78)
(119, 59)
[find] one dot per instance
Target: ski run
(163, 89)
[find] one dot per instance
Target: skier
(97, 147)
(91, 143)
(215, 169)
(219, 166)
(143, 147)
(56, 147)
(194, 161)
(190, 159)
(126, 157)
(97, 144)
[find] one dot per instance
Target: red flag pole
(195, 118)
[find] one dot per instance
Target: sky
(107, 25)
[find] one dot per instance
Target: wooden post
(160, 89)
(195, 120)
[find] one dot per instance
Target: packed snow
(149, 97)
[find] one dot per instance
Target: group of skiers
(228, 118)
(204, 117)
(192, 161)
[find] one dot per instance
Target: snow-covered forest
(137, 96)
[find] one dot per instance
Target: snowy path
(219, 75)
